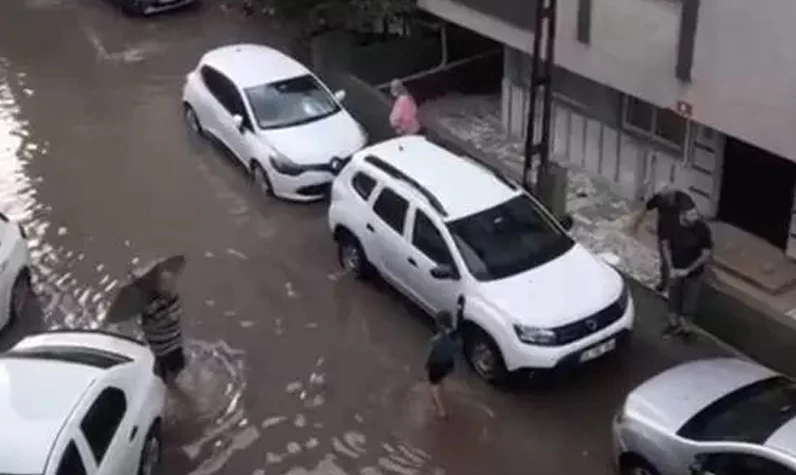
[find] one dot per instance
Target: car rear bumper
(522, 356)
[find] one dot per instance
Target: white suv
(80, 403)
(453, 234)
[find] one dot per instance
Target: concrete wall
(744, 61)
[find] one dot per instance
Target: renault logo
(591, 325)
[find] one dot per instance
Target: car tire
(20, 296)
(192, 119)
(151, 452)
(484, 356)
(638, 466)
(352, 256)
(260, 180)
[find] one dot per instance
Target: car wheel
(352, 256)
(193, 120)
(484, 356)
(261, 181)
(639, 467)
(20, 295)
(151, 452)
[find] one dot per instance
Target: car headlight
(624, 298)
(284, 165)
(534, 335)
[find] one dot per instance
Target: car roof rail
(496, 172)
(399, 175)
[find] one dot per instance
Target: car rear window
(750, 414)
(85, 356)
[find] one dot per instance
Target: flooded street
(294, 367)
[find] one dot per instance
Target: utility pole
(541, 84)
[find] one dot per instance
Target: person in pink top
(403, 117)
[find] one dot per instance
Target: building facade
(695, 92)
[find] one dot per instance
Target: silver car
(710, 417)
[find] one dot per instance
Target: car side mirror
(337, 164)
(238, 120)
(567, 221)
(444, 272)
(339, 95)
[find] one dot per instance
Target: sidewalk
(472, 125)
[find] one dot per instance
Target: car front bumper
(523, 356)
(308, 186)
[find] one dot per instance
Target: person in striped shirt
(161, 322)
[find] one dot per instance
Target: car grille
(590, 325)
(315, 190)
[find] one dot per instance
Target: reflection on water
(66, 302)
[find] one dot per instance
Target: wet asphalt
(295, 367)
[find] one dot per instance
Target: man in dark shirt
(687, 248)
(669, 203)
(440, 362)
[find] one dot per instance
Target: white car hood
(566, 289)
(338, 135)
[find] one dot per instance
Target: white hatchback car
(274, 115)
(722, 416)
(80, 403)
(453, 234)
(15, 276)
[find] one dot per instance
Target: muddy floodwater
(293, 367)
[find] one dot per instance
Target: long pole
(541, 78)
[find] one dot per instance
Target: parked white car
(80, 403)
(722, 416)
(15, 276)
(274, 115)
(453, 234)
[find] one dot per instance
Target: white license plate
(599, 350)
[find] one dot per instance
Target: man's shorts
(684, 295)
(436, 372)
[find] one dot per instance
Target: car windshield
(750, 414)
(510, 238)
(290, 102)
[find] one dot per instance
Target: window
(102, 419)
(224, 91)
(750, 414)
(391, 208)
(742, 464)
(428, 240)
(363, 184)
(663, 124)
(291, 102)
(507, 239)
(71, 462)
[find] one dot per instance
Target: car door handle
(369, 227)
(412, 261)
(133, 432)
